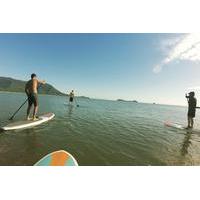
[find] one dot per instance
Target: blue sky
(157, 68)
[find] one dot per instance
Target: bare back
(31, 86)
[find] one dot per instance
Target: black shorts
(71, 99)
(33, 99)
(191, 113)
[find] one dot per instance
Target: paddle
(18, 110)
(77, 105)
(11, 118)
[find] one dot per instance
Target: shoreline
(1, 91)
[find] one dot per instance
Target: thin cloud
(186, 47)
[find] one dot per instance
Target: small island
(134, 101)
(84, 97)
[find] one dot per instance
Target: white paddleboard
(28, 123)
(181, 127)
(67, 104)
(175, 125)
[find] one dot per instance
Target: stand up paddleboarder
(31, 90)
(192, 103)
(71, 97)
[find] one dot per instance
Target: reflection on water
(186, 143)
(100, 133)
(70, 110)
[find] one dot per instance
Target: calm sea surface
(100, 133)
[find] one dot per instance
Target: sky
(158, 68)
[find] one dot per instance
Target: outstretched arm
(187, 97)
(41, 82)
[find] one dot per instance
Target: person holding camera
(192, 103)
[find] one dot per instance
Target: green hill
(13, 85)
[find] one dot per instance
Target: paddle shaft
(18, 110)
(76, 102)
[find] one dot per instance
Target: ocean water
(100, 132)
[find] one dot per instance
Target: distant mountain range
(13, 85)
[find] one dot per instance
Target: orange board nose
(59, 159)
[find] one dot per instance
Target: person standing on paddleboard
(31, 90)
(71, 97)
(192, 103)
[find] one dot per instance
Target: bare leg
(28, 111)
(35, 112)
(192, 122)
(188, 122)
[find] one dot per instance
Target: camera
(187, 96)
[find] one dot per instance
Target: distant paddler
(71, 97)
(192, 103)
(31, 90)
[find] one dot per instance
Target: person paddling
(71, 97)
(31, 90)
(192, 103)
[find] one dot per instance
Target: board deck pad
(29, 123)
(57, 158)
